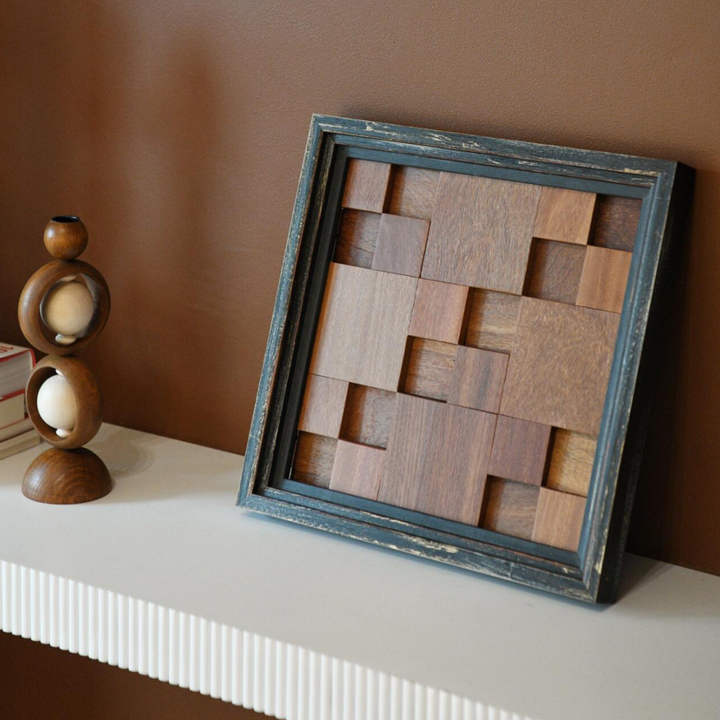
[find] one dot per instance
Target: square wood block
(363, 326)
(400, 245)
(369, 415)
(558, 519)
(520, 450)
(413, 192)
(356, 470)
(429, 368)
(492, 320)
(440, 311)
(510, 508)
(313, 459)
(480, 232)
(323, 406)
(604, 279)
(565, 215)
(478, 379)
(436, 460)
(357, 238)
(616, 222)
(571, 462)
(559, 368)
(555, 271)
(366, 185)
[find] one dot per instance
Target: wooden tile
(565, 215)
(401, 245)
(366, 185)
(480, 232)
(604, 279)
(369, 415)
(436, 461)
(478, 379)
(313, 459)
(510, 508)
(559, 368)
(323, 406)
(414, 191)
(559, 519)
(357, 238)
(363, 325)
(616, 222)
(440, 311)
(429, 368)
(571, 462)
(554, 271)
(492, 320)
(520, 450)
(357, 470)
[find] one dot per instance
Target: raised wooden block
(616, 222)
(363, 326)
(323, 406)
(414, 191)
(401, 245)
(560, 365)
(357, 238)
(604, 279)
(481, 232)
(369, 414)
(429, 368)
(492, 320)
(520, 450)
(313, 459)
(565, 215)
(571, 462)
(436, 461)
(554, 271)
(478, 379)
(510, 508)
(559, 519)
(357, 470)
(440, 311)
(366, 185)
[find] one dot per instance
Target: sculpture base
(66, 477)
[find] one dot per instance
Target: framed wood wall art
(459, 363)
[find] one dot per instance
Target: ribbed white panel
(256, 672)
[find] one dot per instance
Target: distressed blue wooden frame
(592, 573)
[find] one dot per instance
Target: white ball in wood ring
(67, 309)
(57, 404)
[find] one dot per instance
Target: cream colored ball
(67, 309)
(57, 405)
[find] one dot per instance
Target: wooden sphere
(87, 394)
(65, 477)
(66, 237)
(40, 284)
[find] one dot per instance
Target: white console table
(166, 577)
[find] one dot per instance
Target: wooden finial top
(66, 237)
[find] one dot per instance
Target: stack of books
(16, 429)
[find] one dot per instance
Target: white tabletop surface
(170, 533)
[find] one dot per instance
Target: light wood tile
(357, 470)
(520, 450)
(480, 232)
(559, 519)
(565, 215)
(492, 320)
(400, 245)
(414, 191)
(440, 311)
(313, 459)
(366, 185)
(571, 462)
(478, 379)
(604, 279)
(323, 406)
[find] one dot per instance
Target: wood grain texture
(66, 477)
(554, 271)
(520, 450)
(616, 222)
(65, 237)
(357, 469)
(481, 232)
(357, 238)
(366, 185)
(313, 459)
(565, 215)
(478, 379)
(436, 461)
(400, 245)
(559, 369)
(323, 406)
(571, 462)
(363, 325)
(559, 519)
(429, 368)
(369, 414)
(492, 320)
(604, 279)
(414, 191)
(510, 507)
(440, 312)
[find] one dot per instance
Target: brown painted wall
(176, 129)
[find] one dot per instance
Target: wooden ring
(31, 322)
(87, 396)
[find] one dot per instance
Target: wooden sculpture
(63, 308)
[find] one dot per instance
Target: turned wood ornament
(64, 307)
